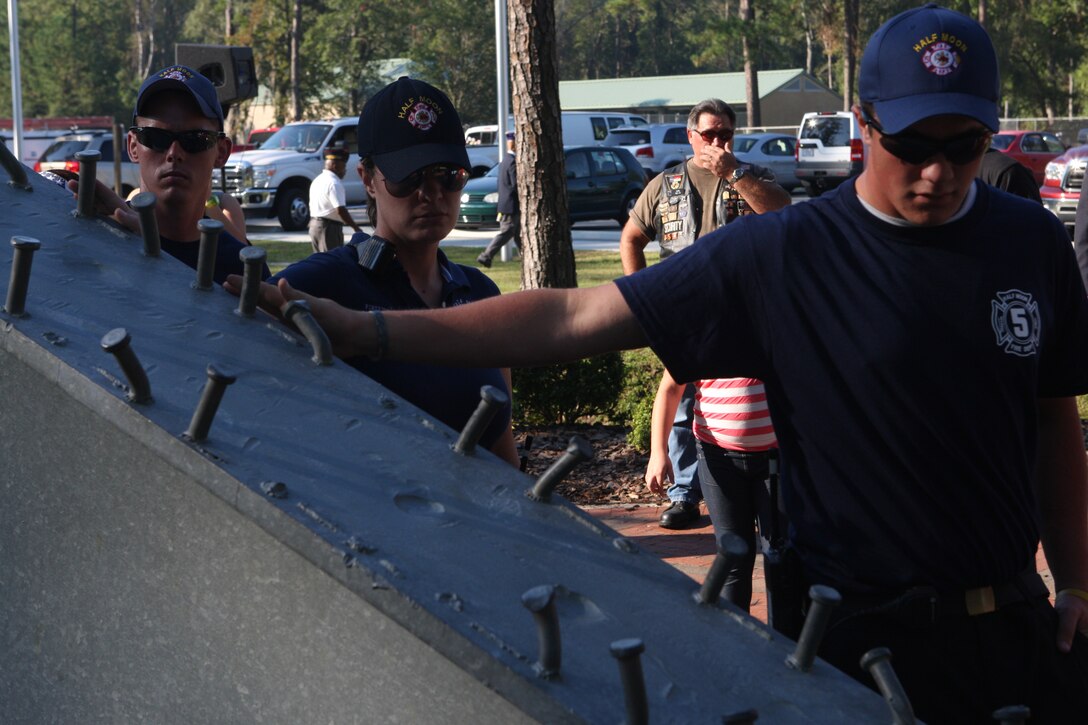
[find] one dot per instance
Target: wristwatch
(738, 173)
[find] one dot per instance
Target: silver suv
(656, 146)
(829, 150)
(61, 154)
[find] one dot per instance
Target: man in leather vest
(683, 203)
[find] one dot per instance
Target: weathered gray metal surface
(147, 578)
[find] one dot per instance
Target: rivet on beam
(297, 312)
(118, 343)
(204, 414)
(824, 600)
(209, 246)
(253, 259)
(1013, 715)
(579, 450)
(731, 549)
(491, 399)
(19, 282)
(878, 662)
(88, 174)
(144, 204)
(541, 602)
(15, 169)
(627, 652)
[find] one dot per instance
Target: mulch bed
(614, 475)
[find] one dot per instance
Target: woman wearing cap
(414, 166)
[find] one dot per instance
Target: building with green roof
(785, 95)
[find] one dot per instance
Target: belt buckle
(980, 601)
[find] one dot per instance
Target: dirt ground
(615, 475)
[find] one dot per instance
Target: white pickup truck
(274, 180)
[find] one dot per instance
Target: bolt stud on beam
(541, 602)
(297, 312)
(628, 653)
(824, 600)
(88, 171)
(1013, 715)
(118, 343)
(19, 282)
(878, 663)
(209, 245)
(491, 399)
(731, 549)
(144, 204)
(204, 414)
(579, 450)
(253, 261)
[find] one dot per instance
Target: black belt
(925, 605)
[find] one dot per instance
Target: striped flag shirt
(732, 413)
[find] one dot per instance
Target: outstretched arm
(534, 327)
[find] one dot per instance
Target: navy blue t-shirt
(902, 367)
(227, 261)
(449, 394)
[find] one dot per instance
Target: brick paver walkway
(692, 550)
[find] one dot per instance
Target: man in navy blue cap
(921, 337)
(177, 139)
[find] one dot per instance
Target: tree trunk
(547, 254)
(751, 77)
(296, 61)
(228, 21)
(982, 13)
(808, 36)
(849, 52)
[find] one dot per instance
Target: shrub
(642, 375)
(563, 393)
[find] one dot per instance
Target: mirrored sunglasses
(916, 150)
(450, 178)
(708, 136)
(159, 139)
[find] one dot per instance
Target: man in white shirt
(328, 210)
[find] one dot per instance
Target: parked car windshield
(829, 130)
(258, 138)
(63, 149)
(743, 144)
(301, 137)
(1002, 141)
(628, 138)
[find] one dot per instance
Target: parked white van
(580, 128)
(829, 150)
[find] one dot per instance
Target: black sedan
(603, 182)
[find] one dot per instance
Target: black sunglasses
(917, 150)
(450, 178)
(710, 134)
(159, 139)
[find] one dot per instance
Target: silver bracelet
(383, 336)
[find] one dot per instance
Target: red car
(1062, 186)
(1034, 149)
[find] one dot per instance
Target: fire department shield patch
(1015, 318)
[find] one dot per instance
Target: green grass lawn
(593, 267)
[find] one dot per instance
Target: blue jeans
(737, 493)
(682, 454)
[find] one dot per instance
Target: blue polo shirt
(449, 394)
(903, 368)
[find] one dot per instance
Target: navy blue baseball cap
(930, 61)
(181, 78)
(408, 125)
